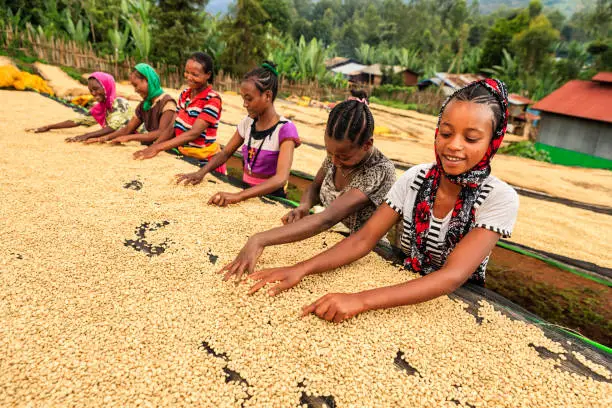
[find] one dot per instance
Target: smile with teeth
(453, 158)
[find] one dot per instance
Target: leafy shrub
(525, 149)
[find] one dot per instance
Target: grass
(74, 74)
(394, 104)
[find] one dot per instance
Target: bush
(394, 104)
(525, 149)
(394, 92)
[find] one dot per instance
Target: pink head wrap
(99, 110)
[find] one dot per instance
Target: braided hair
(479, 94)
(265, 78)
(351, 119)
(206, 61)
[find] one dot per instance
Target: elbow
(326, 221)
(454, 280)
(279, 181)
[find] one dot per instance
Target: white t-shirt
(496, 210)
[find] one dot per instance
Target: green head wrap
(270, 68)
(155, 88)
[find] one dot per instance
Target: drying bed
(109, 296)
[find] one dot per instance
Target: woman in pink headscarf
(110, 112)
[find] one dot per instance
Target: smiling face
(466, 129)
(196, 75)
(96, 90)
(141, 86)
(346, 154)
(254, 101)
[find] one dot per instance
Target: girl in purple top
(267, 139)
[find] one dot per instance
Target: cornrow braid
(480, 94)
(351, 119)
(264, 78)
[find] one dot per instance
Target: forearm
(175, 141)
(164, 136)
(269, 186)
(428, 287)
(143, 137)
(302, 229)
(102, 132)
(63, 125)
(343, 253)
(117, 133)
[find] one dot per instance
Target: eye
(445, 135)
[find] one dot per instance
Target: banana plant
(142, 8)
(136, 14)
(141, 38)
(409, 58)
(366, 54)
(78, 32)
(119, 42)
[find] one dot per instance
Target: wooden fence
(83, 58)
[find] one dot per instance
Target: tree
(533, 45)
(500, 36)
(279, 14)
(178, 31)
(246, 37)
(556, 18)
(535, 8)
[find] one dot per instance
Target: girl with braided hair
(353, 180)
(453, 213)
(267, 139)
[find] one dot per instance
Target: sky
(216, 6)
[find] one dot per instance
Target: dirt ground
(556, 295)
(109, 296)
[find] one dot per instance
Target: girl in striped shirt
(197, 116)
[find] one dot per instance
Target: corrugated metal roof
(349, 68)
(376, 70)
(516, 99)
(457, 81)
(581, 99)
(335, 61)
(603, 77)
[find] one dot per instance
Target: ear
(368, 144)
(269, 95)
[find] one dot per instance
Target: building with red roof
(576, 122)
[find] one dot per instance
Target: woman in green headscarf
(155, 112)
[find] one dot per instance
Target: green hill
(567, 7)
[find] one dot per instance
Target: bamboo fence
(69, 53)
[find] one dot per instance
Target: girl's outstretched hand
(336, 307)
(41, 129)
(119, 140)
(144, 154)
(94, 140)
(287, 277)
(223, 199)
(245, 261)
(189, 178)
(80, 138)
(295, 215)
